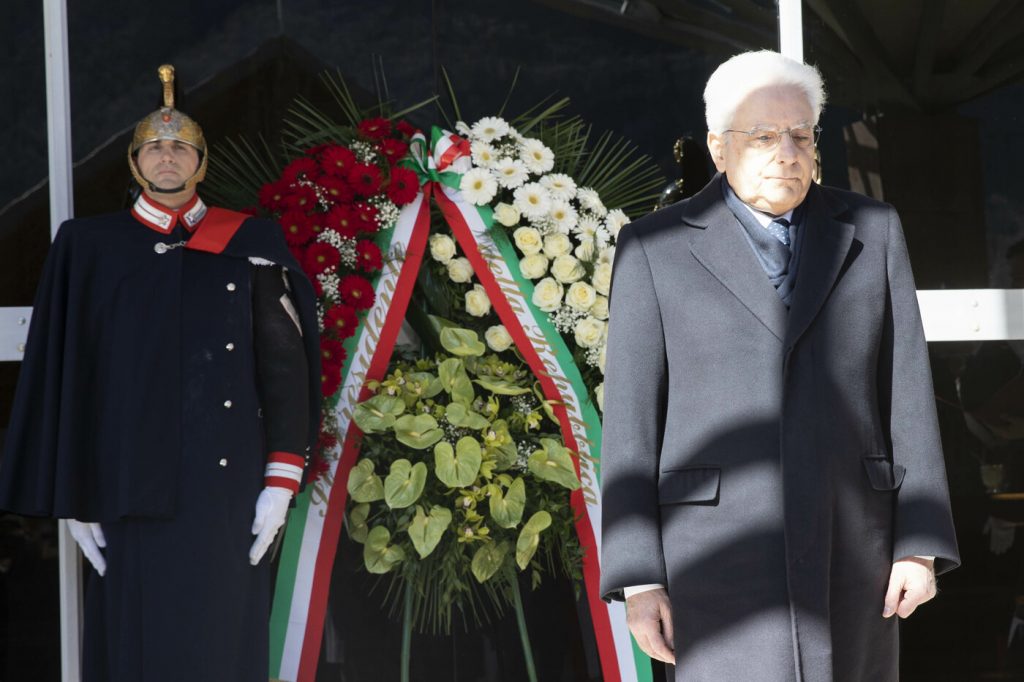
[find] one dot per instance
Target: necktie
(779, 228)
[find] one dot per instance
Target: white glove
(271, 512)
(89, 537)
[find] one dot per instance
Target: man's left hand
(911, 583)
(271, 512)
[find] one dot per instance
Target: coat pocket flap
(693, 485)
(883, 474)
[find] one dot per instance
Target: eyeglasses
(763, 139)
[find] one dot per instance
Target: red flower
(393, 150)
(330, 380)
(368, 255)
(365, 179)
(296, 227)
(356, 291)
(299, 198)
(403, 187)
(331, 352)
(337, 160)
(343, 221)
(326, 441)
(316, 149)
(341, 319)
(302, 168)
(317, 223)
(375, 128)
(318, 468)
(272, 195)
(406, 128)
(365, 217)
(336, 188)
(320, 257)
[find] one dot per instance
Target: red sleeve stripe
(287, 458)
(278, 482)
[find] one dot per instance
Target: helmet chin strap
(153, 188)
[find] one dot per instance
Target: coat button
(223, 462)
(230, 346)
(231, 286)
(227, 404)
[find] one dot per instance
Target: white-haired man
(774, 488)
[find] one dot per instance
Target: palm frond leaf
(237, 170)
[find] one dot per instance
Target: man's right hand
(649, 616)
(89, 537)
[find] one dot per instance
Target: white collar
(162, 219)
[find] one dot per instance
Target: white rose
(556, 244)
(528, 240)
(567, 269)
(547, 295)
(442, 247)
(581, 296)
(534, 266)
(600, 307)
(599, 394)
(585, 250)
(460, 270)
(603, 278)
(506, 214)
(589, 332)
(477, 303)
(498, 338)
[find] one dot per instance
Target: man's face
(167, 163)
(771, 180)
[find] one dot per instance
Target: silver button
(22, 320)
(21, 348)
(231, 286)
(223, 462)
(227, 403)
(230, 346)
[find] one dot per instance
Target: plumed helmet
(167, 123)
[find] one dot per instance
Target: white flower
(462, 129)
(589, 332)
(490, 128)
(483, 154)
(478, 186)
(600, 307)
(533, 201)
(562, 216)
(587, 225)
(556, 244)
(581, 296)
(510, 173)
(506, 214)
(601, 358)
(585, 250)
(603, 278)
(528, 240)
(559, 185)
(615, 221)
(442, 247)
(498, 338)
(547, 295)
(460, 270)
(536, 155)
(606, 255)
(534, 266)
(567, 269)
(590, 200)
(477, 303)
(599, 395)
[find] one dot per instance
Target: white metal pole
(791, 29)
(58, 130)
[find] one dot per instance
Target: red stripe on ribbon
(350, 449)
(591, 565)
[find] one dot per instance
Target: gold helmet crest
(167, 123)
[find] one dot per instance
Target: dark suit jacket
(767, 465)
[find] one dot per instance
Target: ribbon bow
(444, 161)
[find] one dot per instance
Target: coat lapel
(723, 250)
(826, 243)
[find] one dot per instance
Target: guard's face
(167, 163)
(772, 180)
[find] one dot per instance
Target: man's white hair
(738, 77)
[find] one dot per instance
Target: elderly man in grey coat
(774, 488)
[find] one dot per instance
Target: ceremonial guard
(166, 406)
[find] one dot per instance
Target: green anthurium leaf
(404, 484)
(505, 456)
(463, 391)
(363, 484)
(378, 413)
(554, 463)
(529, 538)
(448, 371)
(417, 431)
(357, 528)
(430, 383)
(502, 387)
(378, 555)
(507, 509)
(488, 559)
(462, 342)
(459, 414)
(458, 467)
(426, 530)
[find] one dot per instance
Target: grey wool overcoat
(768, 465)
